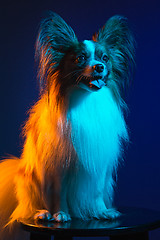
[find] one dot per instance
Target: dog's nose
(98, 68)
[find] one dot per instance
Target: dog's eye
(80, 59)
(105, 58)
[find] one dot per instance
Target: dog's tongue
(98, 83)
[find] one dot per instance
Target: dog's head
(91, 64)
(86, 65)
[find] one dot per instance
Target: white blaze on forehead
(90, 47)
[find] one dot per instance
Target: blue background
(139, 175)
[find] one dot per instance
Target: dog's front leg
(51, 189)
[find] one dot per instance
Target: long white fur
(97, 128)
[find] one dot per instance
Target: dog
(75, 134)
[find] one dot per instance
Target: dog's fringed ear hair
(119, 42)
(54, 38)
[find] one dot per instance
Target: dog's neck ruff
(97, 128)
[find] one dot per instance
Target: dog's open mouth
(92, 83)
(97, 82)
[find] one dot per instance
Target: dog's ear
(54, 32)
(119, 41)
(54, 38)
(115, 32)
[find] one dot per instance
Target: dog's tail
(8, 201)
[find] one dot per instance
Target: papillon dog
(73, 138)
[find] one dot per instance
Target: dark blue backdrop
(139, 176)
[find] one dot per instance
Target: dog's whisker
(79, 78)
(73, 73)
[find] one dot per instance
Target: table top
(133, 219)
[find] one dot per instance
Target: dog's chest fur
(97, 126)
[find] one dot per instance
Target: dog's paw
(113, 213)
(109, 214)
(61, 217)
(43, 215)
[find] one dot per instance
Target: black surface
(132, 221)
(133, 236)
